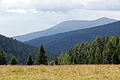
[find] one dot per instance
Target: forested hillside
(64, 41)
(102, 50)
(15, 48)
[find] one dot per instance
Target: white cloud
(60, 5)
(40, 4)
(21, 10)
(103, 5)
(14, 3)
(16, 10)
(33, 10)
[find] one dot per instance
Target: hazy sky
(24, 16)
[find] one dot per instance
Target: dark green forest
(12, 47)
(102, 50)
(40, 60)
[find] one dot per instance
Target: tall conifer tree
(29, 60)
(41, 58)
(13, 61)
(2, 57)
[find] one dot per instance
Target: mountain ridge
(65, 26)
(63, 41)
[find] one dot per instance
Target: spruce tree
(13, 61)
(29, 60)
(116, 55)
(92, 58)
(41, 58)
(2, 57)
(105, 57)
(98, 56)
(118, 51)
(98, 40)
(115, 58)
(111, 51)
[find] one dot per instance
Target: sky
(18, 17)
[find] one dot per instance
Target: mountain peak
(106, 18)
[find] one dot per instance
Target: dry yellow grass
(67, 72)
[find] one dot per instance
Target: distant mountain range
(65, 27)
(64, 41)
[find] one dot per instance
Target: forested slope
(15, 48)
(102, 50)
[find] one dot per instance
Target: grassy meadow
(67, 72)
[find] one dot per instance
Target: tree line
(41, 58)
(102, 50)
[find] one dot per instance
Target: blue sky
(19, 17)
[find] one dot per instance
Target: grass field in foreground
(67, 72)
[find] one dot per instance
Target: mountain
(66, 26)
(61, 42)
(15, 48)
